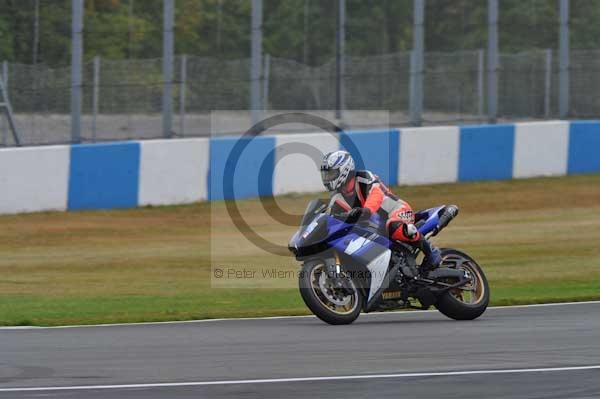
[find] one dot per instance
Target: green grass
(538, 240)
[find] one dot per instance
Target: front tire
(470, 301)
(330, 304)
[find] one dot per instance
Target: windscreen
(312, 208)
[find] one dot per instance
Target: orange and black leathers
(364, 190)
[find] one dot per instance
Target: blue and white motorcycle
(349, 268)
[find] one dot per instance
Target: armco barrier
(129, 174)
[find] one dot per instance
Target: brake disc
(330, 292)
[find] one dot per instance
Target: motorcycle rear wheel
(470, 301)
(326, 302)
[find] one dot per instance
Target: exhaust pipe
(447, 214)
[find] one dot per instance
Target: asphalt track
(519, 352)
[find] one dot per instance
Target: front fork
(337, 275)
(334, 267)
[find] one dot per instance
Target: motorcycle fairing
(362, 251)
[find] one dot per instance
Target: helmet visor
(329, 175)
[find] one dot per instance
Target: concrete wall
(429, 155)
(173, 171)
(163, 172)
(297, 161)
(541, 149)
(34, 179)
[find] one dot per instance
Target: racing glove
(357, 214)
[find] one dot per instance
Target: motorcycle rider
(361, 194)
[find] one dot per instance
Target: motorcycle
(349, 268)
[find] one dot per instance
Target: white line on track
(301, 379)
(398, 312)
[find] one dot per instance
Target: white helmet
(336, 168)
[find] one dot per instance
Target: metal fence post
(340, 70)
(265, 88)
(76, 66)
(4, 121)
(182, 93)
(563, 60)
(95, 97)
(416, 83)
(256, 63)
(492, 60)
(480, 78)
(36, 32)
(412, 100)
(548, 83)
(167, 100)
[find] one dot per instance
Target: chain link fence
(585, 83)
(122, 90)
(522, 90)
(40, 97)
(122, 99)
(453, 90)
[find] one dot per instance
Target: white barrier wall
(34, 179)
(164, 172)
(295, 170)
(173, 171)
(541, 149)
(428, 155)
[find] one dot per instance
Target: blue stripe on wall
(257, 152)
(584, 147)
(375, 150)
(486, 152)
(104, 176)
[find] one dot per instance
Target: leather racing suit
(366, 191)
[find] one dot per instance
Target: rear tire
(449, 303)
(317, 301)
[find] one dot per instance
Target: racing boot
(433, 256)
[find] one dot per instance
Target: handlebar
(340, 215)
(364, 223)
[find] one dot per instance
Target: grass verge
(537, 240)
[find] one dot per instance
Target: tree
(302, 30)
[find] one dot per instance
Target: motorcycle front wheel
(327, 301)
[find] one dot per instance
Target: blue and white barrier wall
(165, 172)
(34, 179)
(173, 171)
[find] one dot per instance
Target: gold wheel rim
(317, 275)
(471, 293)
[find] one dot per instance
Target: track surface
(417, 342)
